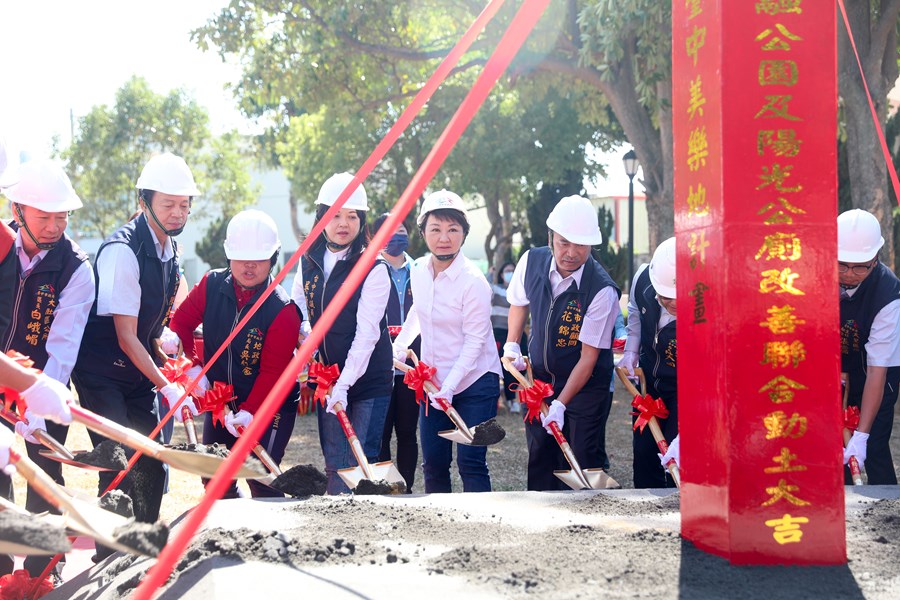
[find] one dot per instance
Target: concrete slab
(614, 543)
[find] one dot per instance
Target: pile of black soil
(145, 538)
(301, 481)
(488, 433)
(118, 502)
(215, 449)
(379, 487)
(106, 455)
(28, 531)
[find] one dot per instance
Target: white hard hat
(662, 269)
(8, 175)
(859, 236)
(251, 235)
(44, 185)
(336, 184)
(439, 200)
(575, 218)
(168, 174)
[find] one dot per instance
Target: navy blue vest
(100, 352)
(858, 312)
(554, 347)
(394, 318)
(378, 380)
(239, 364)
(36, 299)
(658, 350)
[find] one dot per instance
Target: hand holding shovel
(420, 378)
(648, 408)
(851, 422)
(532, 394)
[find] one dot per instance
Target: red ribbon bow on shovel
(18, 586)
(851, 418)
(532, 397)
(214, 401)
(324, 377)
(11, 396)
(175, 370)
(647, 408)
(416, 378)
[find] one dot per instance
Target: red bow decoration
(11, 396)
(415, 379)
(647, 408)
(394, 330)
(214, 401)
(851, 418)
(532, 397)
(17, 586)
(175, 370)
(324, 376)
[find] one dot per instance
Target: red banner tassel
(532, 397)
(851, 418)
(214, 401)
(324, 377)
(17, 585)
(648, 407)
(175, 370)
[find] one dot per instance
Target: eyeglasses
(855, 269)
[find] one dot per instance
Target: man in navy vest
(137, 275)
(573, 304)
(54, 290)
(651, 344)
(870, 342)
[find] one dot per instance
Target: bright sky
(62, 55)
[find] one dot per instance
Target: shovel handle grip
(854, 471)
(663, 446)
(116, 432)
(354, 442)
(190, 430)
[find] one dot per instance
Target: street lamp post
(631, 163)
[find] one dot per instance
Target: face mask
(397, 244)
(507, 277)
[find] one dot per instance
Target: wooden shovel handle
(855, 473)
(116, 432)
(41, 482)
(42, 436)
(354, 442)
(264, 457)
(432, 389)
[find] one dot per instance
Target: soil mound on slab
(488, 433)
(107, 455)
(29, 531)
(301, 481)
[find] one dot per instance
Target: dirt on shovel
(301, 481)
(215, 449)
(380, 487)
(35, 533)
(146, 538)
(488, 433)
(107, 455)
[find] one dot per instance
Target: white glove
(401, 353)
(173, 393)
(857, 447)
(337, 395)
(169, 341)
(7, 439)
(26, 430)
(49, 399)
(554, 415)
(674, 451)
(242, 419)
(189, 403)
(445, 393)
(629, 361)
(513, 351)
(305, 330)
(202, 384)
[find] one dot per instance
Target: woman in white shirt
(453, 314)
(358, 340)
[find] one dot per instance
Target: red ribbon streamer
(324, 377)
(416, 378)
(647, 408)
(532, 397)
(851, 418)
(175, 370)
(17, 585)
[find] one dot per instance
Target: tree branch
(887, 23)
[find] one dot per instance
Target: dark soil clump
(488, 433)
(146, 538)
(215, 449)
(118, 502)
(106, 455)
(380, 487)
(36, 533)
(300, 481)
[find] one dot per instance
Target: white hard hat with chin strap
(167, 174)
(662, 269)
(45, 186)
(575, 218)
(443, 199)
(859, 236)
(251, 235)
(329, 193)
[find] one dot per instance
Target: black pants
(402, 417)
(274, 440)
(584, 427)
(132, 404)
(879, 465)
(648, 472)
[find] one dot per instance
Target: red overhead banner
(755, 117)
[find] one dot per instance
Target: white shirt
(633, 342)
(119, 290)
(883, 346)
(453, 314)
(600, 317)
(370, 311)
(70, 316)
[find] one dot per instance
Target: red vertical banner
(755, 117)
